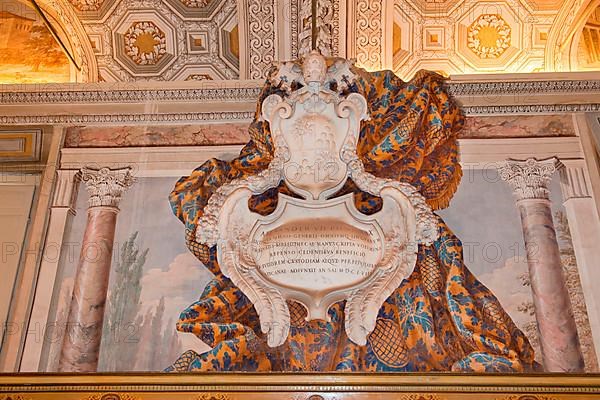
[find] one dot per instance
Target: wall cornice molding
(460, 89)
(124, 119)
(59, 94)
(519, 109)
(229, 101)
(249, 91)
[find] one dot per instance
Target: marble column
(559, 342)
(81, 343)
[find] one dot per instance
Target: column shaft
(81, 343)
(556, 324)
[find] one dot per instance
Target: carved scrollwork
(316, 250)
(213, 396)
(369, 33)
(527, 397)
(261, 28)
(112, 396)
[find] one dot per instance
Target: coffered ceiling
(203, 40)
(162, 39)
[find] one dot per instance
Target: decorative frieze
(245, 91)
(369, 33)
(531, 109)
(127, 118)
(543, 97)
(247, 116)
(87, 5)
(520, 87)
(261, 37)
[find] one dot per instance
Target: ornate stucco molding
(236, 101)
(561, 33)
(260, 34)
(249, 91)
(369, 20)
(80, 45)
(125, 95)
(328, 27)
(106, 186)
(531, 109)
(250, 385)
(529, 179)
(233, 116)
(246, 116)
(295, 27)
(519, 87)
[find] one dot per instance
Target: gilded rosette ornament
(314, 248)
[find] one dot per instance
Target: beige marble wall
(518, 126)
(138, 136)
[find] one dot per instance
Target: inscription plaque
(316, 249)
(334, 253)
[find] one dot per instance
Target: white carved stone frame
(315, 134)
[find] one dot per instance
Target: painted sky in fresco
(483, 215)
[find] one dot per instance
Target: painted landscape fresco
(154, 277)
(28, 51)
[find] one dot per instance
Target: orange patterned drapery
(440, 318)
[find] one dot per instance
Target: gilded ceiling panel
(232, 39)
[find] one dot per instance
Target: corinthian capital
(529, 179)
(106, 186)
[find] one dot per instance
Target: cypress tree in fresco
(171, 343)
(157, 337)
(121, 333)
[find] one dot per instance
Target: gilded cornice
(443, 386)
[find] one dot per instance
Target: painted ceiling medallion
(195, 3)
(87, 5)
(145, 43)
(489, 36)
